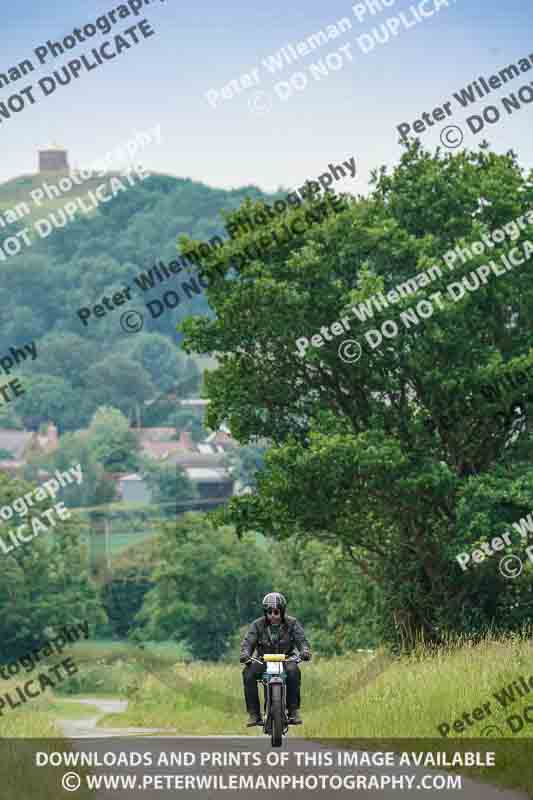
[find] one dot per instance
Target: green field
(127, 524)
(118, 542)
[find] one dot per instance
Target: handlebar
(295, 659)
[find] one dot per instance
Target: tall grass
(409, 699)
(36, 719)
(114, 668)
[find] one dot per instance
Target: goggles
(275, 611)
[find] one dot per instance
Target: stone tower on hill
(53, 159)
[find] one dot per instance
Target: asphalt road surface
(311, 762)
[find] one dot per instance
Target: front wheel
(276, 711)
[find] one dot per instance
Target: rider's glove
(306, 656)
(244, 659)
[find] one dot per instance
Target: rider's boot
(294, 716)
(254, 718)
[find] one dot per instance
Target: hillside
(18, 191)
(81, 366)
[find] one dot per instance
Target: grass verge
(21, 778)
(410, 699)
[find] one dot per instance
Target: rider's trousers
(251, 691)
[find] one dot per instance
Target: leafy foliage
(207, 585)
(186, 420)
(78, 367)
(354, 463)
(244, 464)
(341, 610)
(112, 442)
(167, 483)
(45, 584)
(75, 449)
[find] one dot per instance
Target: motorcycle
(276, 719)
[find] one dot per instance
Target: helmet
(274, 600)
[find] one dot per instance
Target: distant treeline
(81, 368)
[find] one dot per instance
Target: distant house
(133, 489)
(196, 404)
(202, 463)
(157, 443)
(24, 444)
(155, 434)
(208, 473)
(211, 483)
(160, 451)
(211, 460)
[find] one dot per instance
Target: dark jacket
(291, 639)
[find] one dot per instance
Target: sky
(262, 136)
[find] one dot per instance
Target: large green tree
(341, 610)
(119, 382)
(111, 441)
(47, 398)
(73, 449)
(45, 583)
(168, 368)
(245, 463)
(355, 462)
(63, 354)
(207, 584)
(168, 484)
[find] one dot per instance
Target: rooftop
(206, 474)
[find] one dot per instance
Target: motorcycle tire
(276, 711)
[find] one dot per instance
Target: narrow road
(88, 738)
(85, 728)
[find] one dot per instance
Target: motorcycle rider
(274, 632)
